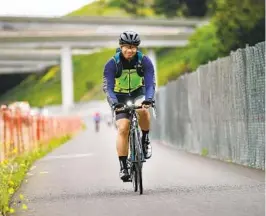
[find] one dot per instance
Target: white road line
(70, 156)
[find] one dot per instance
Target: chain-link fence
(219, 110)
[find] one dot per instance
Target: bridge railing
(219, 110)
(22, 132)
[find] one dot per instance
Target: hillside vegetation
(107, 8)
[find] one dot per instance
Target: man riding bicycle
(129, 75)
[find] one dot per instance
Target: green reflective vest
(128, 80)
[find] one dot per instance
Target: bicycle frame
(133, 134)
(134, 129)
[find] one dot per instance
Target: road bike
(136, 154)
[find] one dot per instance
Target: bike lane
(81, 178)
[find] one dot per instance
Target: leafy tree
(188, 8)
(167, 7)
(195, 8)
(239, 22)
(202, 46)
(133, 7)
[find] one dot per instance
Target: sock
(123, 162)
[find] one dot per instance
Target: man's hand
(146, 104)
(118, 107)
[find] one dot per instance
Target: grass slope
(109, 8)
(98, 8)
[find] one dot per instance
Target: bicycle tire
(133, 172)
(134, 178)
(138, 164)
(139, 178)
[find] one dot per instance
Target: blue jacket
(110, 72)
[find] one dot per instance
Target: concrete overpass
(34, 59)
(20, 37)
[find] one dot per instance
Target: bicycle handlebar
(126, 108)
(133, 107)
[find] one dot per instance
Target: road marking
(70, 156)
(43, 172)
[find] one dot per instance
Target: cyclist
(129, 75)
(97, 118)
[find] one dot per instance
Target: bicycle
(136, 155)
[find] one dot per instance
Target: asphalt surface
(80, 178)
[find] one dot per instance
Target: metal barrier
(219, 110)
(20, 132)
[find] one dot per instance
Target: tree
(134, 7)
(187, 8)
(196, 8)
(239, 22)
(202, 46)
(167, 7)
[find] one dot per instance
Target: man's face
(128, 51)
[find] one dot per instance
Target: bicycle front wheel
(134, 177)
(138, 177)
(139, 158)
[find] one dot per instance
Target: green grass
(97, 9)
(12, 173)
(204, 152)
(107, 8)
(88, 74)
(169, 63)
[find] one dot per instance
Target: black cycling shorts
(138, 94)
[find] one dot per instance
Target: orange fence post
(22, 132)
(5, 133)
(38, 130)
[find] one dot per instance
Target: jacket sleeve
(149, 78)
(109, 81)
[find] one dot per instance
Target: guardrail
(22, 132)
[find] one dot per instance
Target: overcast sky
(39, 7)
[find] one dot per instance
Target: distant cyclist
(97, 119)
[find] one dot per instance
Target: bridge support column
(66, 78)
(152, 56)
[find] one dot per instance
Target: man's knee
(123, 126)
(144, 113)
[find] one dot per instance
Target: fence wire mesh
(219, 110)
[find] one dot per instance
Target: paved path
(81, 178)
